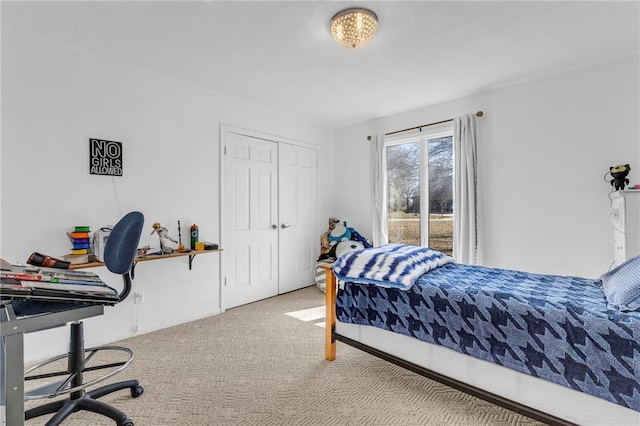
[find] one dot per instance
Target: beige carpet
(254, 365)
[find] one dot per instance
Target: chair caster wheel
(136, 392)
(127, 422)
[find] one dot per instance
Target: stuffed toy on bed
(338, 240)
(337, 233)
(340, 232)
(348, 245)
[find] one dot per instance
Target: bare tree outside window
(441, 194)
(404, 192)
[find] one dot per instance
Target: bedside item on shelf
(180, 247)
(38, 259)
(80, 243)
(194, 236)
(619, 174)
(80, 246)
(163, 234)
(76, 259)
(202, 245)
(100, 238)
(144, 250)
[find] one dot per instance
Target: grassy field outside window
(404, 228)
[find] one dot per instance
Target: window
(419, 180)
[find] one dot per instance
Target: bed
(554, 348)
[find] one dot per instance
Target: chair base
(80, 399)
(89, 402)
(55, 389)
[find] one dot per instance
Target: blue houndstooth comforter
(556, 328)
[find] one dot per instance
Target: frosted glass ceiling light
(354, 27)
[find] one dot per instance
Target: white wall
(54, 99)
(545, 145)
(544, 148)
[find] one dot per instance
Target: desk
(12, 331)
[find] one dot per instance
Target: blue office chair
(119, 255)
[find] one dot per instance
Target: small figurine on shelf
(163, 234)
(143, 251)
(181, 248)
(619, 174)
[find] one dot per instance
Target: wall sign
(105, 157)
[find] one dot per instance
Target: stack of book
(36, 282)
(81, 245)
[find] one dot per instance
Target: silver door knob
(284, 226)
(274, 226)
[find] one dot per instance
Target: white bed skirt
(551, 398)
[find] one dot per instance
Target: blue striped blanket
(390, 265)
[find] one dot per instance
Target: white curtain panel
(465, 216)
(380, 234)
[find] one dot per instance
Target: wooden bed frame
(527, 395)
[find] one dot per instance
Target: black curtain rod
(478, 114)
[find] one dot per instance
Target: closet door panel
(250, 211)
(298, 216)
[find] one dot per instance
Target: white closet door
(250, 218)
(299, 244)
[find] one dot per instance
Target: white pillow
(622, 285)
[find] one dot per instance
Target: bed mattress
(556, 328)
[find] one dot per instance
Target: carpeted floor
(254, 365)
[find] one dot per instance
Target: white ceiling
(280, 54)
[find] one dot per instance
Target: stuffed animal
(355, 236)
(340, 232)
(337, 234)
(328, 258)
(325, 241)
(347, 246)
(619, 174)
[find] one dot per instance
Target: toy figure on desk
(163, 234)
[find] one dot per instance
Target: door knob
(274, 226)
(284, 226)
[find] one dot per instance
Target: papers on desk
(31, 282)
(88, 287)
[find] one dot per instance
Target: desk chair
(119, 254)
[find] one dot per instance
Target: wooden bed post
(330, 314)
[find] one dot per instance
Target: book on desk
(36, 282)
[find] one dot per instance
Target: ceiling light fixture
(354, 27)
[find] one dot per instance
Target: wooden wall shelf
(147, 257)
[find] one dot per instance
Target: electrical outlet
(137, 298)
